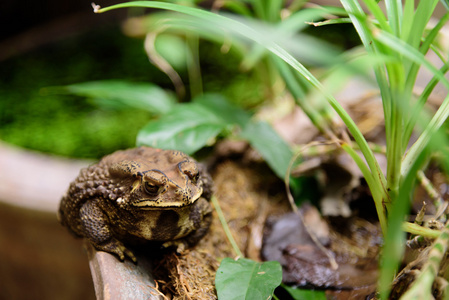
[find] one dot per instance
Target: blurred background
(49, 44)
(52, 43)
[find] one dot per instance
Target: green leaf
(300, 294)
(188, 127)
(173, 49)
(229, 112)
(270, 145)
(238, 7)
(247, 279)
(117, 93)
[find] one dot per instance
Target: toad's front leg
(96, 228)
(201, 217)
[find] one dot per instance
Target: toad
(138, 195)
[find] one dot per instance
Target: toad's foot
(116, 247)
(180, 245)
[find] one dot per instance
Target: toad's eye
(151, 188)
(194, 176)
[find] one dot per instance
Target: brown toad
(139, 195)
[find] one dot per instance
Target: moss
(67, 125)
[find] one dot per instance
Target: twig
(439, 203)
(420, 216)
(312, 235)
(162, 64)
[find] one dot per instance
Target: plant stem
(194, 69)
(422, 286)
(419, 230)
(373, 185)
(226, 229)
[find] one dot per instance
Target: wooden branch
(114, 279)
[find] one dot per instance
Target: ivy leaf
(124, 94)
(188, 127)
(247, 279)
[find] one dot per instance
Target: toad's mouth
(158, 203)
